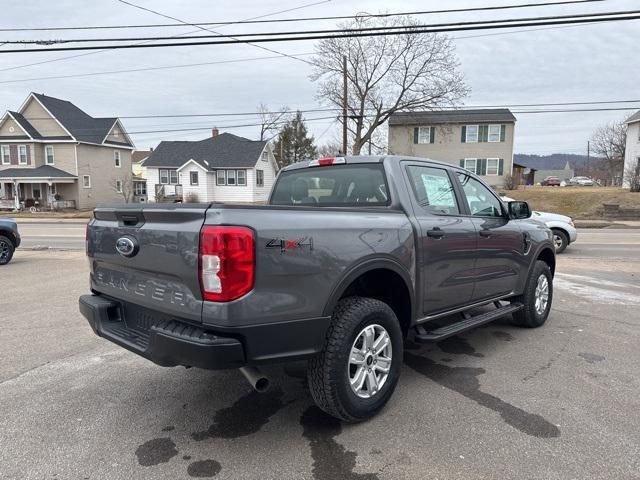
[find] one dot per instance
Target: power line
(631, 15)
(147, 69)
(215, 32)
(94, 52)
(345, 31)
(303, 19)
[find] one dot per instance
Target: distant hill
(555, 161)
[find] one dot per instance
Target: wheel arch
(380, 278)
(548, 256)
(10, 235)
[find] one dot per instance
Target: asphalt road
(58, 235)
(500, 402)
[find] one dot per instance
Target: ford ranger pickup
(350, 257)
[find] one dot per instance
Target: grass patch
(577, 202)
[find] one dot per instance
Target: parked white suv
(564, 231)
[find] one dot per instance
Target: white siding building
(632, 151)
(222, 168)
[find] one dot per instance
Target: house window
(424, 134)
(241, 176)
(22, 154)
(6, 154)
(86, 181)
(221, 178)
(265, 156)
(116, 158)
(119, 186)
(494, 133)
(193, 177)
(259, 178)
(231, 177)
(140, 188)
(168, 176)
(492, 164)
(48, 154)
(470, 164)
(472, 134)
(53, 189)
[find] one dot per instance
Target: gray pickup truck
(351, 256)
(9, 239)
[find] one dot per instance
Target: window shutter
(432, 133)
(462, 163)
(13, 154)
(463, 138)
(501, 166)
(481, 166)
(503, 132)
(415, 134)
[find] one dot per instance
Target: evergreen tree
(293, 143)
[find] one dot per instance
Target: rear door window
(433, 189)
(337, 185)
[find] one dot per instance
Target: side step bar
(426, 336)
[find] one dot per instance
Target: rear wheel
(356, 372)
(6, 250)
(537, 297)
(560, 240)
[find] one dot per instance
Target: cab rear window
(338, 185)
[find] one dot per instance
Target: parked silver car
(564, 231)
(582, 181)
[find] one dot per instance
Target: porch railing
(168, 192)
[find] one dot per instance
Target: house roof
(493, 115)
(222, 151)
(44, 171)
(26, 126)
(139, 155)
(634, 118)
(82, 126)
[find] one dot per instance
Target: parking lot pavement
(500, 402)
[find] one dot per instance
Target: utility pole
(588, 158)
(344, 104)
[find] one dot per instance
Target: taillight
(227, 262)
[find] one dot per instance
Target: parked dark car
(9, 240)
(550, 182)
(350, 257)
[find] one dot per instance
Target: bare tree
(271, 121)
(609, 143)
(387, 74)
(123, 186)
(329, 149)
(632, 177)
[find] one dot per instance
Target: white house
(632, 151)
(221, 168)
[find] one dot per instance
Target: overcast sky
(583, 63)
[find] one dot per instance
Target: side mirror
(519, 210)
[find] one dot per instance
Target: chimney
(151, 149)
(215, 132)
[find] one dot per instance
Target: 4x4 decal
(286, 244)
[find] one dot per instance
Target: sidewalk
(49, 220)
(607, 223)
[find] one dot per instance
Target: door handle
(485, 233)
(435, 232)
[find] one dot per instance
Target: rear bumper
(170, 342)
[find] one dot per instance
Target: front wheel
(356, 372)
(537, 297)
(6, 250)
(560, 240)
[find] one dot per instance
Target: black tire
(529, 316)
(560, 240)
(6, 250)
(328, 372)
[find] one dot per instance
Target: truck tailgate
(161, 273)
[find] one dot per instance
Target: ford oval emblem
(127, 246)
